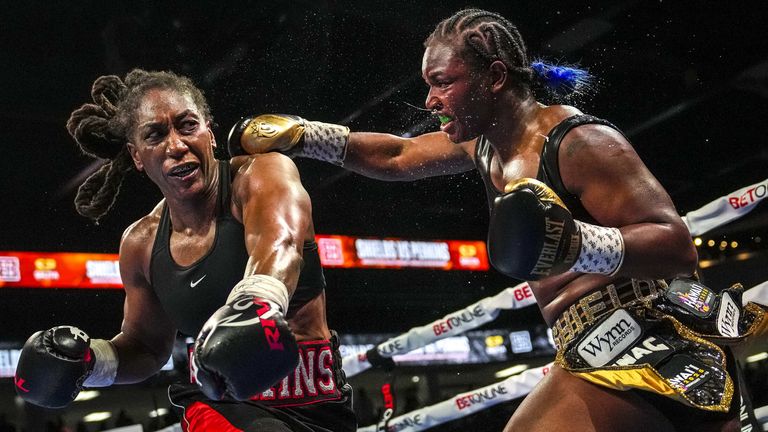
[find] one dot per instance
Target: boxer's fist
(243, 349)
(532, 234)
(291, 135)
(53, 365)
(265, 133)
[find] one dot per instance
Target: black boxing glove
(289, 134)
(246, 346)
(532, 235)
(55, 364)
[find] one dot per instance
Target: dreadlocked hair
(489, 37)
(101, 130)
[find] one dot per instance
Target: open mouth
(444, 119)
(183, 170)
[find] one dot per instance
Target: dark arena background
(686, 81)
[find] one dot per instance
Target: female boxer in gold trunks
(573, 210)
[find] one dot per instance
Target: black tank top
(549, 170)
(190, 294)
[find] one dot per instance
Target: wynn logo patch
(609, 339)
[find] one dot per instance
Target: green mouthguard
(443, 118)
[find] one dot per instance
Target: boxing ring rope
(453, 324)
(464, 404)
(726, 208)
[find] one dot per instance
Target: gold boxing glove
(542, 191)
(291, 135)
(265, 133)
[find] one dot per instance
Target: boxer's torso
(553, 294)
(191, 293)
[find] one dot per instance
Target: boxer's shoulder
(145, 228)
(138, 239)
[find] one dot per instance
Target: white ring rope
(726, 208)
(464, 404)
(453, 324)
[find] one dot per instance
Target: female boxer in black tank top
(481, 87)
(249, 341)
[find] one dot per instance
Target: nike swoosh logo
(194, 283)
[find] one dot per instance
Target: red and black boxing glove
(246, 346)
(55, 364)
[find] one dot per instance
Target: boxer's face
(172, 143)
(458, 92)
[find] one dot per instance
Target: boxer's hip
(662, 338)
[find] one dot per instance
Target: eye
(153, 135)
(188, 126)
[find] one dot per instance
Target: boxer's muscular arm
(598, 165)
(146, 339)
(276, 213)
(389, 157)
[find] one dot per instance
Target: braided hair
(101, 130)
(488, 37)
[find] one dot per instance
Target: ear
(213, 138)
(135, 156)
(499, 74)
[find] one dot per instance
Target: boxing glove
(532, 235)
(53, 365)
(288, 134)
(246, 346)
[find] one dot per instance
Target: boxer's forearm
(393, 158)
(657, 251)
(137, 361)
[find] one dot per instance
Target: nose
(433, 102)
(176, 147)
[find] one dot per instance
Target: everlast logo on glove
(554, 232)
(609, 339)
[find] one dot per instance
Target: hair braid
(99, 191)
(489, 37)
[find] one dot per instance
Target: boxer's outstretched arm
(275, 210)
(276, 214)
(146, 339)
(389, 157)
(599, 165)
(376, 155)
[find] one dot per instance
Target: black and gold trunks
(658, 337)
